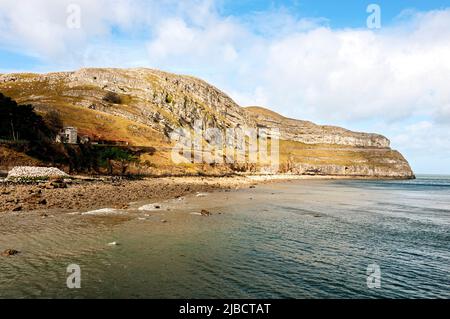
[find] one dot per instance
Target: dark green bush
(112, 97)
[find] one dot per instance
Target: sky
(313, 60)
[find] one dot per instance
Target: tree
(114, 154)
(20, 121)
(7, 110)
(54, 122)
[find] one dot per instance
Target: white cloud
(426, 143)
(359, 74)
(40, 28)
(320, 73)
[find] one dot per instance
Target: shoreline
(88, 194)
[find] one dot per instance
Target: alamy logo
(374, 19)
(74, 16)
(74, 279)
(373, 276)
(259, 146)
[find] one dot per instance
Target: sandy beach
(86, 194)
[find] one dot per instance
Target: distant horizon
(432, 174)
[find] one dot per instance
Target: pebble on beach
(204, 212)
(10, 252)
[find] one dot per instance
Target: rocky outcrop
(396, 170)
(333, 151)
(155, 102)
(310, 133)
(161, 100)
(30, 172)
(9, 252)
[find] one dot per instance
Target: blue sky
(341, 14)
(314, 60)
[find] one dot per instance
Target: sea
(286, 240)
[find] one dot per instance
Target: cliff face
(143, 106)
(310, 133)
(313, 149)
(158, 99)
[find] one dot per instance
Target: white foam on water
(103, 211)
(202, 195)
(150, 207)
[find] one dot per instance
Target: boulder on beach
(9, 252)
(59, 183)
(204, 212)
(34, 173)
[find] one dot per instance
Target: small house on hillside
(68, 135)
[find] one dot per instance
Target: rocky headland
(142, 107)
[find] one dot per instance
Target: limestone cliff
(143, 106)
(311, 149)
(310, 133)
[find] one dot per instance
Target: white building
(68, 135)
